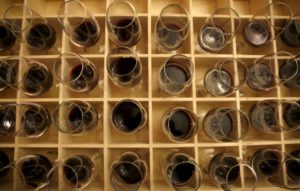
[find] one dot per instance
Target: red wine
(128, 172)
(7, 39)
(7, 120)
(36, 120)
(265, 162)
(87, 33)
(127, 116)
(291, 35)
(4, 161)
(37, 80)
(228, 168)
(126, 31)
(41, 36)
(293, 166)
(287, 70)
(180, 124)
(79, 117)
(8, 74)
(182, 173)
(77, 170)
(83, 77)
(122, 67)
(176, 74)
(169, 35)
(291, 115)
(35, 170)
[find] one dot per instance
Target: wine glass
(124, 27)
(172, 27)
(220, 80)
(78, 23)
(176, 74)
(128, 172)
(257, 32)
(7, 38)
(215, 34)
(262, 75)
(287, 71)
(179, 124)
(124, 67)
(75, 117)
(224, 170)
(265, 116)
(128, 116)
(35, 31)
(181, 171)
(222, 124)
(28, 75)
(291, 36)
(77, 73)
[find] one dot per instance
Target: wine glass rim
(142, 110)
(132, 54)
(190, 68)
(185, 11)
(62, 6)
(6, 20)
(115, 3)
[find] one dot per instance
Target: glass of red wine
(8, 120)
(128, 116)
(30, 172)
(172, 27)
(265, 116)
(124, 67)
(77, 73)
(79, 23)
(75, 117)
(224, 171)
(123, 24)
(290, 69)
(34, 79)
(266, 162)
(176, 74)
(257, 31)
(221, 81)
(181, 171)
(35, 31)
(225, 124)
(179, 124)
(262, 75)
(7, 38)
(291, 36)
(216, 33)
(128, 172)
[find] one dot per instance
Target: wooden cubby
(150, 142)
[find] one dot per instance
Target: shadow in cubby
(7, 178)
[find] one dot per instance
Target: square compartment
(202, 66)
(283, 11)
(157, 5)
(246, 91)
(46, 8)
(114, 153)
(94, 136)
(157, 62)
(96, 155)
(141, 6)
(185, 47)
(205, 155)
(53, 92)
(95, 6)
(249, 7)
(203, 107)
(140, 90)
(244, 48)
(254, 135)
(50, 136)
(159, 155)
(158, 110)
(55, 49)
(97, 91)
(114, 136)
(198, 23)
(97, 48)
